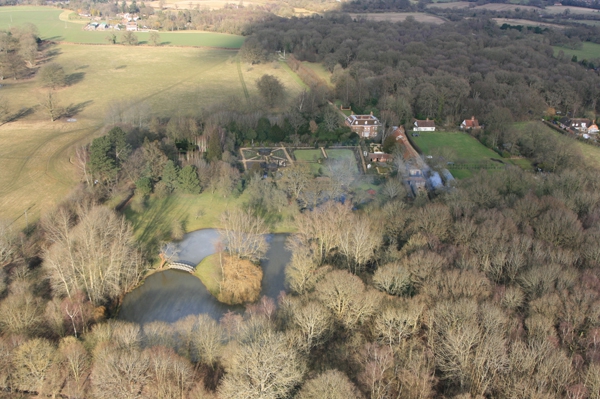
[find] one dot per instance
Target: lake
(173, 294)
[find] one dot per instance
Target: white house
(424, 126)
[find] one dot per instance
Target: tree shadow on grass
(22, 113)
(74, 78)
(156, 222)
(74, 109)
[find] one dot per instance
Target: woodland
(490, 289)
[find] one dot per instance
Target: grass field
(51, 27)
(466, 149)
(209, 272)
(311, 156)
(320, 70)
(588, 51)
(35, 153)
(308, 155)
(400, 16)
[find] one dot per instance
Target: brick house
(366, 126)
(470, 124)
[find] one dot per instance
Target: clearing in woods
(589, 51)
(36, 154)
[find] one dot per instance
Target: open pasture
(589, 51)
(55, 27)
(36, 154)
(399, 17)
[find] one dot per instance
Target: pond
(173, 294)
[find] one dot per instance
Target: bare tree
(294, 179)
(243, 234)
(50, 105)
(76, 362)
(119, 373)
(170, 376)
(394, 188)
(357, 240)
(345, 296)
(8, 244)
(303, 272)
(313, 321)
(331, 384)
(32, 363)
(97, 256)
(207, 341)
(266, 367)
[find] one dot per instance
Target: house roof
(362, 120)
(471, 123)
(398, 132)
(380, 157)
(425, 123)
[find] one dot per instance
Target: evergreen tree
(276, 134)
(263, 129)
(188, 180)
(213, 152)
(120, 149)
(102, 164)
(170, 176)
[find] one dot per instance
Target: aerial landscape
(279, 199)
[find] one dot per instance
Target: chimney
(371, 113)
(473, 118)
(427, 119)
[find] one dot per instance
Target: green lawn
(153, 225)
(464, 149)
(588, 51)
(195, 212)
(308, 155)
(342, 154)
(209, 272)
(53, 27)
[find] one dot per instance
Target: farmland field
(53, 27)
(572, 10)
(588, 51)
(400, 16)
(35, 154)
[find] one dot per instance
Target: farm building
(363, 125)
(424, 126)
